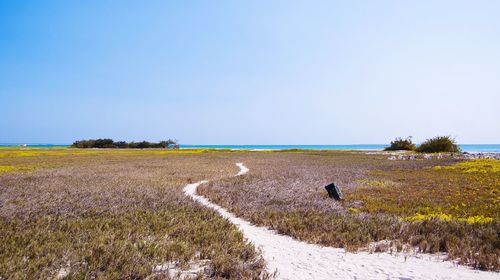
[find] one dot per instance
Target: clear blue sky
(249, 72)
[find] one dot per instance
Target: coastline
(468, 148)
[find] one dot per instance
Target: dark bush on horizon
(401, 144)
(110, 144)
(439, 144)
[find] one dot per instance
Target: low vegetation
(486, 165)
(110, 144)
(452, 208)
(118, 213)
(439, 144)
(400, 144)
(114, 214)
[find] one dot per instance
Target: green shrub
(110, 144)
(401, 144)
(439, 144)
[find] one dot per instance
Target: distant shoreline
(470, 148)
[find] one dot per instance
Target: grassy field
(113, 214)
(437, 205)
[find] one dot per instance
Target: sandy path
(294, 259)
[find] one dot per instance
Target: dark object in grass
(334, 191)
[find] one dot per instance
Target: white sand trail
(293, 259)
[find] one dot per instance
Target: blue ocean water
(478, 148)
(484, 148)
(288, 147)
(33, 145)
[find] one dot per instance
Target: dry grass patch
(383, 198)
(110, 216)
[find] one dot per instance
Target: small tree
(439, 144)
(401, 144)
(104, 143)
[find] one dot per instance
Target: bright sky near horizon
(249, 72)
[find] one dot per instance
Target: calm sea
(484, 148)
